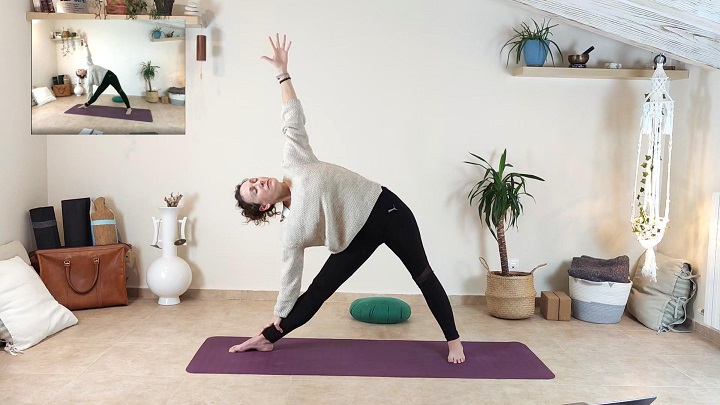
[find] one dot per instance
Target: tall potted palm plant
(147, 71)
(510, 295)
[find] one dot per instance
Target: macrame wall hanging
(649, 217)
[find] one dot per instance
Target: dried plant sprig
(173, 200)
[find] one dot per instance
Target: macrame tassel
(668, 121)
(649, 269)
(12, 350)
(646, 123)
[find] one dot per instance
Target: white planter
(169, 276)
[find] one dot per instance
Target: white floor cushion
(27, 310)
(43, 95)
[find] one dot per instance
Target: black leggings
(391, 222)
(109, 80)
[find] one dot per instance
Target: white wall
(44, 54)
(23, 158)
(696, 174)
(400, 92)
(118, 45)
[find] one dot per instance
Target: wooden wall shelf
(168, 39)
(75, 38)
(594, 73)
(190, 21)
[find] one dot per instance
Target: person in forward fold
(325, 204)
(102, 77)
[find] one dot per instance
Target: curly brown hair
(252, 211)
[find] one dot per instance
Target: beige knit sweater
(330, 205)
(95, 75)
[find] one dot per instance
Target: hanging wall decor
(649, 217)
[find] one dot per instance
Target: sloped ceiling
(686, 30)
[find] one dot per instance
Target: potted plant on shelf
(135, 8)
(156, 33)
(510, 294)
(164, 7)
(533, 43)
(147, 71)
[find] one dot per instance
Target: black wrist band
(287, 78)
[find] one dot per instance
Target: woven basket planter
(510, 297)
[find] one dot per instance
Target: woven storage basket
(598, 302)
(510, 297)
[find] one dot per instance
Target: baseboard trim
(707, 332)
(205, 294)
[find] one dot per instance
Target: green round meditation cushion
(380, 310)
(117, 99)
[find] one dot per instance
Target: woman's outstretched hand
(280, 53)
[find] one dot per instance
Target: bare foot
(129, 111)
(258, 343)
(83, 106)
(456, 354)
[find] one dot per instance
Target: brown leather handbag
(62, 90)
(84, 277)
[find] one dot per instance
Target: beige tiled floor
(138, 354)
(50, 119)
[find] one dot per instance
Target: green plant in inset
(135, 8)
(156, 32)
(147, 71)
(539, 32)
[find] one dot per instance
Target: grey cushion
(661, 305)
(12, 249)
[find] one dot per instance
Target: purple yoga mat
(139, 114)
(370, 358)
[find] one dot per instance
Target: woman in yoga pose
(325, 204)
(101, 77)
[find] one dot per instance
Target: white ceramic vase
(78, 89)
(169, 276)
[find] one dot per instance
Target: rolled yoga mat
(139, 114)
(76, 222)
(370, 358)
(45, 228)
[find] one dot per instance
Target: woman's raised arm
(279, 60)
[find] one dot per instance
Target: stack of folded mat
(599, 288)
(615, 270)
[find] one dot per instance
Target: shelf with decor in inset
(76, 38)
(167, 39)
(191, 21)
(594, 73)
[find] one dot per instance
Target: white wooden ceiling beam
(686, 30)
